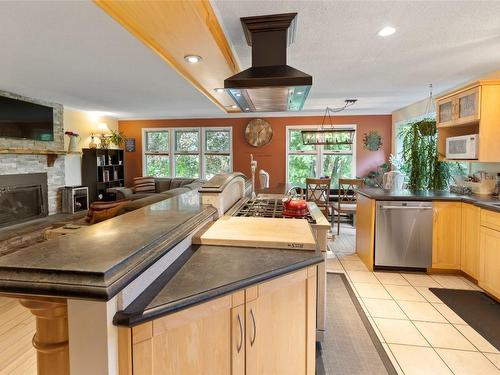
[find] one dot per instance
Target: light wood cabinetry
(489, 261)
(365, 230)
(269, 328)
(473, 109)
(489, 252)
(446, 236)
(469, 254)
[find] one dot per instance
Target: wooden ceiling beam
(176, 28)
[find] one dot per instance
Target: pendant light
(330, 135)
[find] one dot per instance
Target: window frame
(173, 152)
(319, 151)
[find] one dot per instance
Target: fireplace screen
(22, 198)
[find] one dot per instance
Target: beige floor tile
(367, 290)
(494, 358)
(404, 293)
(422, 311)
(379, 308)
(420, 279)
(333, 265)
(427, 294)
(452, 282)
(467, 363)
(419, 361)
(377, 331)
(448, 313)
(363, 277)
(391, 278)
(347, 256)
(476, 339)
(443, 335)
(353, 265)
(392, 358)
(400, 332)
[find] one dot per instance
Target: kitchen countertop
(487, 202)
(206, 272)
(102, 259)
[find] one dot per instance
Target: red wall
(272, 156)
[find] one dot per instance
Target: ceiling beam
(174, 29)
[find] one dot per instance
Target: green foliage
(157, 165)
(374, 178)
(157, 141)
(217, 141)
(420, 157)
(116, 137)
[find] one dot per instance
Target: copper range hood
(269, 85)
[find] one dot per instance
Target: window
(303, 161)
(187, 152)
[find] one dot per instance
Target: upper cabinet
(473, 109)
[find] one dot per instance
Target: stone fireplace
(23, 197)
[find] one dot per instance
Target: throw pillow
(144, 184)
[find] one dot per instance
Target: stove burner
(267, 208)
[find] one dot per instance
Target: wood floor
(17, 327)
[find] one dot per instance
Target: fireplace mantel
(51, 154)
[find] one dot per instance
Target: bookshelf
(102, 169)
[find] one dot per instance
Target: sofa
(127, 200)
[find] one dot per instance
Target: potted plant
(116, 137)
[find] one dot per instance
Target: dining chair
(348, 194)
(318, 191)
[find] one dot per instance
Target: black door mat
(479, 311)
(350, 346)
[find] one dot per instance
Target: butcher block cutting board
(257, 232)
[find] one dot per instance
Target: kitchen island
(88, 289)
(465, 232)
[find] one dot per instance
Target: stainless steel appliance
(462, 147)
(403, 234)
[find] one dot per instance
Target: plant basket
(427, 128)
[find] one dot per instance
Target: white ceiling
(73, 53)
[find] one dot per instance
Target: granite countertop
(100, 260)
(487, 202)
(207, 272)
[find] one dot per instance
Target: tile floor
(420, 333)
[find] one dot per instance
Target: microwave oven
(462, 147)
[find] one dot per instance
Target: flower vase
(72, 144)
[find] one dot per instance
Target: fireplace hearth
(23, 197)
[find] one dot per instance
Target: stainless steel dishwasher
(403, 234)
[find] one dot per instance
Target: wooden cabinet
(446, 236)
(469, 254)
(473, 109)
(489, 261)
(365, 230)
(269, 328)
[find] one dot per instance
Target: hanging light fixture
(330, 135)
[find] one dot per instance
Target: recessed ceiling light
(219, 90)
(192, 59)
(238, 94)
(247, 109)
(234, 106)
(299, 92)
(386, 31)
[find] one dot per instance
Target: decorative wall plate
(372, 140)
(258, 132)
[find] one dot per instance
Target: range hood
(269, 85)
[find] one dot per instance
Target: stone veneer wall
(35, 163)
(22, 164)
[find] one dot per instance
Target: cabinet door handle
(252, 339)
(238, 347)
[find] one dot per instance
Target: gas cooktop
(267, 208)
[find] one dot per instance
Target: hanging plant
(372, 140)
(420, 157)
